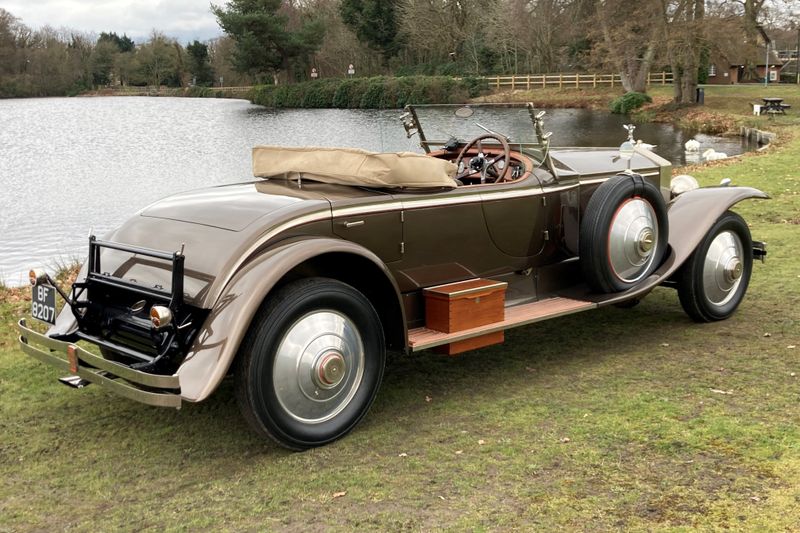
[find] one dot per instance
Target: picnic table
(774, 106)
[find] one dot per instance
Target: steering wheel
(482, 165)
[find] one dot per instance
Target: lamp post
(766, 67)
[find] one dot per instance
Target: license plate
(43, 303)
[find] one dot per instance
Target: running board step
(518, 315)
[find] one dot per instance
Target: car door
(515, 217)
(445, 238)
(375, 224)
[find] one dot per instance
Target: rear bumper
(151, 389)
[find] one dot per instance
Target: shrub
(629, 102)
(198, 91)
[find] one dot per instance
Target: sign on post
(351, 70)
(314, 74)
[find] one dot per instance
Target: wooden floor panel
(519, 315)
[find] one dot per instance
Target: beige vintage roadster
(298, 282)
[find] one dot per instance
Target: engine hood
(589, 161)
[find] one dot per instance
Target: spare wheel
(623, 233)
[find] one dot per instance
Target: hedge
(370, 93)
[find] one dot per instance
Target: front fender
(216, 344)
(690, 216)
(693, 213)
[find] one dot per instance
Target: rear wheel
(311, 363)
(713, 281)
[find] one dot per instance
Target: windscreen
(440, 123)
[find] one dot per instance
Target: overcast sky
(184, 20)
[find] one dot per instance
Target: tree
(441, 30)
(123, 44)
(629, 34)
(374, 22)
(157, 59)
(220, 51)
(103, 59)
(199, 65)
(127, 67)
(686, 42)
(266, 42)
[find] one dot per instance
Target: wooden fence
(523, 81)
(567, 81)
(233, 90)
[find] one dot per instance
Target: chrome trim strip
(516, 193)
(598, 180)
(476, 196)
(448, 200)
(366, 209)
(560, 188)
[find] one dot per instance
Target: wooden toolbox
(466, 305)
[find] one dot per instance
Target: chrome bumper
(163, 391)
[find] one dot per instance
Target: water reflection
(71, 164)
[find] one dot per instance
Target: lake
(69, 166)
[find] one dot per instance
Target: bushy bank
(370, 93)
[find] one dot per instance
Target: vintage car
(299, 281)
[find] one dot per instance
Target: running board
(518, 315)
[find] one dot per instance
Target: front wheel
(311, 363)
(713, 281)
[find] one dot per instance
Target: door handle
(353, 224)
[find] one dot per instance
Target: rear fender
(216, 344)
(690, 215)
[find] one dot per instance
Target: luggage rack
(102, 319)
(95, 275)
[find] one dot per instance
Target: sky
(184, 20)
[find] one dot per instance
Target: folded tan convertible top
(351, 166)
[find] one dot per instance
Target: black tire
(640, 250)
(276, 397)
(707, 284)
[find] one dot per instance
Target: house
(748, 63)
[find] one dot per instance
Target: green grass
(651, 445)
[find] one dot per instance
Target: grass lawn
(613, 419)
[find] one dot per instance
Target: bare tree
(629, 36)
(157, 58)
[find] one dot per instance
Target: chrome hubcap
(632, 240)
(723, 268)
(646, 241)
(318, 366)
(329, 370)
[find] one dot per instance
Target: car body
(299, 282)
